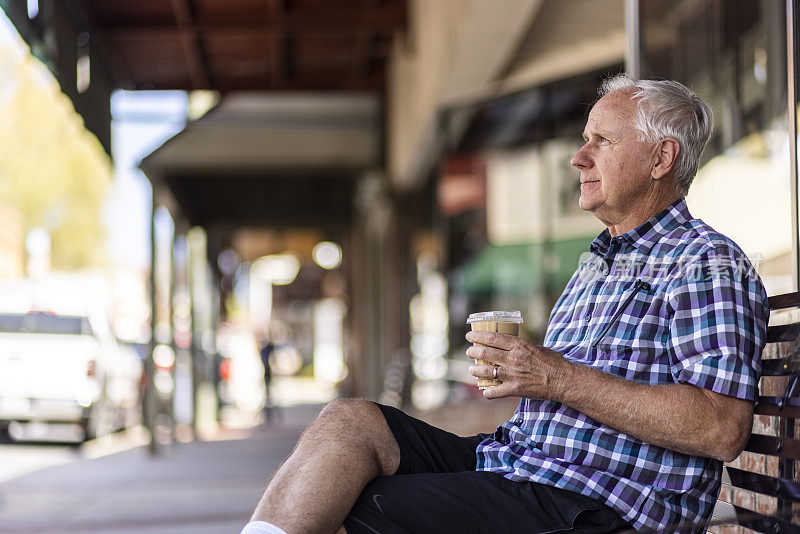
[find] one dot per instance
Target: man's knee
(349, 408)
(362, 421)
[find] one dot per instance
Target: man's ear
(665, 156)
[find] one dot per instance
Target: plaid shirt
(669, 302)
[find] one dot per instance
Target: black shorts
(436, 489)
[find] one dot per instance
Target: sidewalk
(199, 487)
(202, 487)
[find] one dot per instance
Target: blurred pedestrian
(267, 348)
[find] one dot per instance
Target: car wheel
(99, 423)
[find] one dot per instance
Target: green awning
(507, 269)
(519, 269)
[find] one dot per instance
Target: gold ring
(494, 372)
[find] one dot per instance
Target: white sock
(261, 527)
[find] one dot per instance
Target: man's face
(615, 165)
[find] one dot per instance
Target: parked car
(66, 369)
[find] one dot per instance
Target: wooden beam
(143, 33)
(281, 54)
(385, 18)
(192, 47)
(276, 9)
(385, 15)
(265, 84)
(362, 52)
(323, 81)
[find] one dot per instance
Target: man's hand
(680, 417)
(526, 370)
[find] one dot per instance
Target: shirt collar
(644, 237)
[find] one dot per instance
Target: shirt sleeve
(718, 322)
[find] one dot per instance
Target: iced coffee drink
(504, 322)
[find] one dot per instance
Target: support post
(633, 40)
(150, 401)
(791, 79)
(786, 468)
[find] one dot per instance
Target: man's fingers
(482, 371)
(492, 392)
(496, 392)
(480, 352)
(493, 339)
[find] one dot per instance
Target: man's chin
(587, 204)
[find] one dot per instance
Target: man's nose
(580, 160)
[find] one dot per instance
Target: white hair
(669, 109)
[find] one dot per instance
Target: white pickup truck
(66, 369)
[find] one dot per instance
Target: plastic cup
(504, 322)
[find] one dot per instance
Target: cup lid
(504, 316)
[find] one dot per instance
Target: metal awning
(271, 159)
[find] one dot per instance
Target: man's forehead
(620, 101)
(615, 107)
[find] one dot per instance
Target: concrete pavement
(202, 487)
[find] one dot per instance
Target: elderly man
(644, 385)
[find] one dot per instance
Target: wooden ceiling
(233, 45)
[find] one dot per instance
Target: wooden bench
(760, 489)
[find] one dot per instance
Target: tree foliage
(51, 168)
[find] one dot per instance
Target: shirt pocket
(636, 344)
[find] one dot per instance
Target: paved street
(19, 460)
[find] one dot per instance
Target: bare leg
(347, 446)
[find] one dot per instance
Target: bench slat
(770, 445)
(778, 406)
(759, 522)
(783, 332)
(777, 367)
(787, 300)
(763, 484)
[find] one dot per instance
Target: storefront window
(733, 54)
